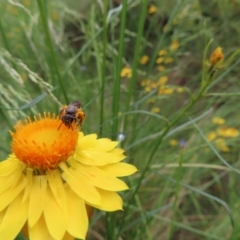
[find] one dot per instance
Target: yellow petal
(56, 185)
(67, 236)
(119, 169)
(87, 141)
(54, 217)
(40, 231)
(2, 214)
(9, 166)
(14, 218)
(98, 157)
(100, 179)
(105, 145)
(81, 186)
(10, 180)
(37, 199)
(81, 159)
(29, 177)
(8, 196)
(111, 201)
(77, 215)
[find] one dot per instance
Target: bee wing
(76, 104)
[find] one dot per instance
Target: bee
(72, 113)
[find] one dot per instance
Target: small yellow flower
(152, 9)
(144, 59)
(165, 91)
(218, 121)
(143, 83)
(54, 16)
(176, 21)
(221, 145)
(162, 52)
(16, 30)
(179, 89)
(155, 110)
(24, 77)
(146, 82)
(211, 136)
(9, 35)
(152, 100)
(27, 2)
(52, 176)
(162, 80)
(168, 60)
(147, 89)
(166, 28)
(168, 91)
(159, 60)
(126, 72)
(19, 46)
(173, 142)
(216, 56)
(12, 9)
(227, 132)
(174, 45)
(154, 85)
(160, 68)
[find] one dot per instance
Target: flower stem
(50, 45)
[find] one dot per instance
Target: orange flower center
(42, 144)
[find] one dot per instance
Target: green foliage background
(54, 52)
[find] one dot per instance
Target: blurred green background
(143, 72)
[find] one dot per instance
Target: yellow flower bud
(216, 56)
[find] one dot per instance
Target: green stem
(179, 177)
(44, 18)
(137, 52)
(103, 72)
(117, 82)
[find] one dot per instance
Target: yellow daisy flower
(51, 177)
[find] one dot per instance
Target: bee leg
(60, 125)
(79, 124)
(80, 117)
